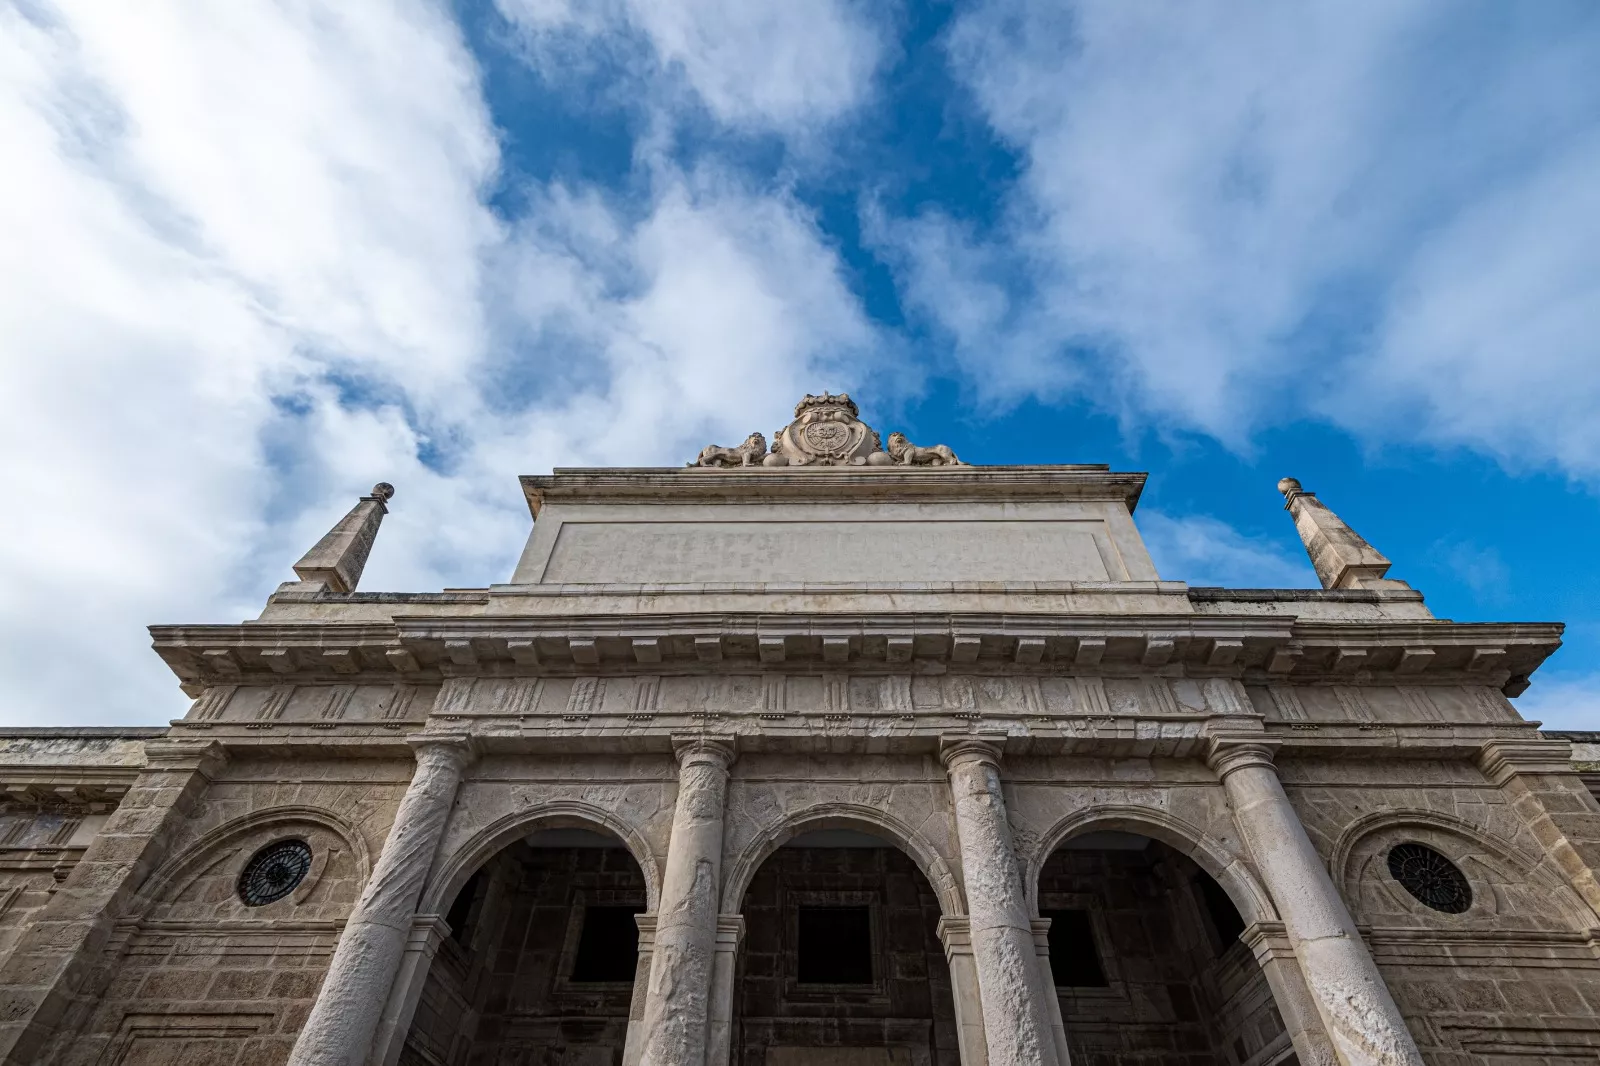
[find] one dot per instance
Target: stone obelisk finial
(1341, 558)
(339, 557)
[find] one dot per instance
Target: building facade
(841, 753)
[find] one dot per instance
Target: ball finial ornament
(383, 491)
(1288, 485)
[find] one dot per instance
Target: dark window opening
(1433, 879)
(835, 946)
(608, 945)
(459, 917)
(1074, 958)
(1224, 915)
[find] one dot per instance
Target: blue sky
(264, 254)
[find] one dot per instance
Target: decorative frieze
(338, 700)
(276, 702)
(585, 696)
(212, 703)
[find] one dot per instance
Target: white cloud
(1474, 566)
(249, 271)
(1491, 332)
(756, 65)
(1381, 211)
(1562, 701)
(1203, 550)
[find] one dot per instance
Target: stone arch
(1229, 871)
(451, 872)
(1487, 860)
(946, 886)
(221, 844)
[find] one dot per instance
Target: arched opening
(841, 952)
(1147, 961)
(541, 957)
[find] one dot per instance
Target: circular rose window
(274, 872)
(1433, 879)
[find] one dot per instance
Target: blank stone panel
(923, 551)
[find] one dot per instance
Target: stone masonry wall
(198, 976)
(1513, 979)
(1176, 993)
(908, 1008)
(501, 993)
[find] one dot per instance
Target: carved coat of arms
(827, 431)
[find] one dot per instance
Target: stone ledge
(833, 484)
(88, 732)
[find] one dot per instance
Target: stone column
(633, 1047)
(719, 1039)
(344, 1021)
(957, 937)
(55, 960)
(1357, 1011)
(677, 1007)
(1015, 1022)
(1052, 1002)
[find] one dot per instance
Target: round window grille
(274, 872)
(1433, 879)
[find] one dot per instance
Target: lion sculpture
(750, 453)
(904, 453)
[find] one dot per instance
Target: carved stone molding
(1251, 646)
(1501, 760)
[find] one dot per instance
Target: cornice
(832, 484)
(1254, 648)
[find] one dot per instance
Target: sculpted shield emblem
(826, 436)
(826, 431)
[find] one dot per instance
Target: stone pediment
(827, 431)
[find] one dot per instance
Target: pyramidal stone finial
(1341, 558)
(339, 557)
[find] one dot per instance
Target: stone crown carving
(827, 431)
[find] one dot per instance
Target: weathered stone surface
(342, 1024)
(677, 1005)
(1015, 1020)
(839, 623)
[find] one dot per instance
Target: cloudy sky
(259, 255)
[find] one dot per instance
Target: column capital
(1229, 753)
(1501, 760)
(955, 932)
(719, 751)
(459, 749)
(730, 931)
(427, 933)
(1267, 941)
(971, 747)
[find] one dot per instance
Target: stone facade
(838, 753)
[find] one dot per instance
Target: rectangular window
(835, 946)
(608, 945)
(1074, 959)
